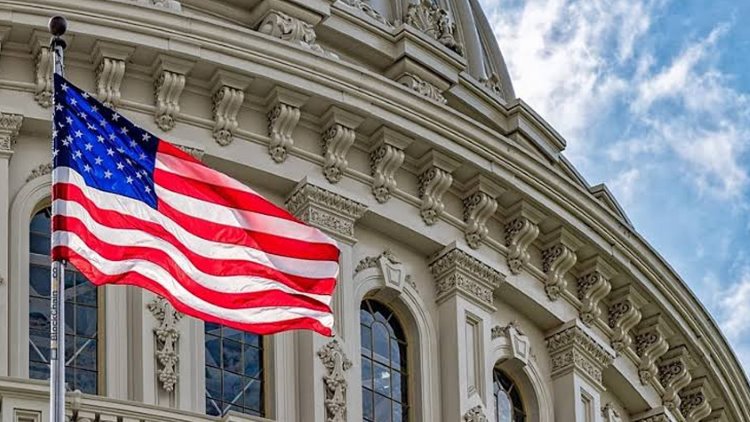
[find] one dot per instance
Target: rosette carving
(336, 364)
(167, 339)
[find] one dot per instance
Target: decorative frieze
(337, 138)
(169, 81)
(610, 414)
(283, 116)
(10, 125)
(558, 257)
(493, 83)
(42, 68)
(434, 181)
(457, 272)
(695, 404)
(386, 156)
(167, 338)
(520, 232)
(39, 171)
(674, 376)
(325, 210)
(480, 203)
(291, 29)
(228, 96)
(623, 315)
(336, 364)
(650, 345)
(434, 21)
(572, 348)
(475, 414)
(422, 87)
(366, 7)
(109, 61)
(593, 286)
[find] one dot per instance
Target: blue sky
(653, 97)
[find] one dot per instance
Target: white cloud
(735, 308)
(625, 186)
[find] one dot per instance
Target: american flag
(130, 208)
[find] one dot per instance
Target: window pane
(252, 361)
(213, 351)
(367, 405)
(367, 373)
(382, 379)
(381, 340)
(39, 244)
(232, 355)
(382, 408)
(39, 278)
(253, 398)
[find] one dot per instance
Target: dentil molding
(336, 364)
(457, 272)
(167, 337)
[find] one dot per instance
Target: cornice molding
(457, 272)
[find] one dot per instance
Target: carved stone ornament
(517, 343)
(167, 338)
(493, 83)
(226, 104)
(336, 142)
(591, 289)
(623, 316)
(572, 348)
(673, 377)
(435, 22)
(557, 260)
(695, 407)
(390, 266)
(385, 159)
(433, 184)
(457, 272)
(168, 87)
(366, 7)
(10, 125)
(40, 171)
(610, 414)
(43, 76)
(110, 70)
(287, 28)
(194, 152)
(478, 208)
(336, 364)
(650, 345)
(422, 87)
(326, 210)
(475, 414)
(171, 5)
(519, 234)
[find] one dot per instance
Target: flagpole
(57, 27)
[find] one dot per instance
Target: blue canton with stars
(110, 152)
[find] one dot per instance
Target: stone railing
(26, 400)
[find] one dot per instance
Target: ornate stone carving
(325, 210)
(520, 232)
(514, 340)
(592, 287)
(435, 22)
(171, 5)
(282, 119)
(394, 273)
(39, 171)
(336, 142)
(457, 272)
(434, 181)
(194, 152)
(475, 414)
(43, 75)
(493, 83)
(226, 104)
(167, 338)
(572, 348)
(10, 125)
(386, 157)
(365, 6)
(610, 414)
(673, 377)
(695, 407)
(373, 261)
(479, 205)
(650, 345)
(422, 87)
(623, 315)
(557, 259)
(336, 364)
(287, 28)
(167, 90)
(110, 62)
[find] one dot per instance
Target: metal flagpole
(57, 27)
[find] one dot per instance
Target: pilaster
(578, 360)
(109, 61)
(480, 203)
(593, 285)
(558, 257)
(465, 287)
(338, 136)
(386, 157)
(169, 75)
(435, 179)
(521, 229)
(228, 96)
(283, 115)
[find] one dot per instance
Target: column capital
(10, 125)
(457, 272)
(574, 348)
(326, 210)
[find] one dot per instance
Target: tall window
(81, 315)
(384, 369)
(234, 371)
(508, 403)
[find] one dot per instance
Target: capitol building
(483, 279)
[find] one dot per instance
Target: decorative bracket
(283, 116)
(338, 136)
(558, 257)
(386, 156)
(336, 364)
(435, 22)
(475, 414)
(435, 179)
(650, 345)
(109, 61)
(610, 414)
(169, 80)
(457, 272)
(43, 72)
(167, 337)
(480, 203)
(623, 316)
(521, 230)
(10, 125)
(674, 376)
(695, 403)
(228, 96)
(593, 286)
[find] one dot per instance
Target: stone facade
(393, 127)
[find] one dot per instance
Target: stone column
(10, 125)
(578, 359)
(322, 373)
(464, 287)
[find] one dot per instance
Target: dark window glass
(508, 403)
(384, 369)
(234, 371)
(81, 315)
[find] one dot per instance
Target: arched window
(234, 371)
(508, 403)
(384, 366)
(82, 347)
